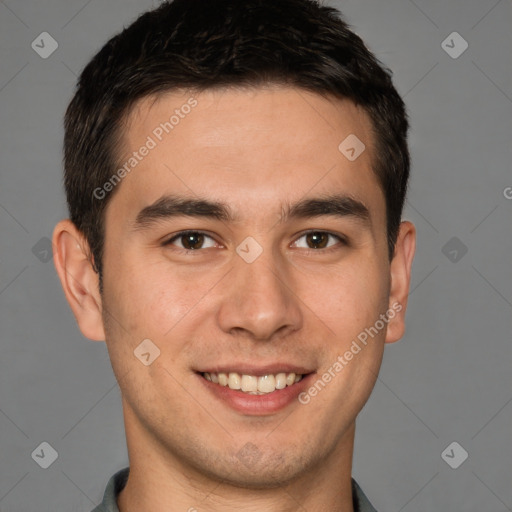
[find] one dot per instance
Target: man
(235, 174)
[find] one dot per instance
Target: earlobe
(401, 266)
(78, 279)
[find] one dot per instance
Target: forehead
(253, 148)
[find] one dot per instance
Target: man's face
(255, 294)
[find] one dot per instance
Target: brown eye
(191, 240)
(319, 240)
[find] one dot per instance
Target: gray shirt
(118, 481)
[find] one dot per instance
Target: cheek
(139, 308)
(151, 298)
(350, 299)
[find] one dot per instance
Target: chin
(261, 478)
(262, 471)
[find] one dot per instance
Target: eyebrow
(170, 206)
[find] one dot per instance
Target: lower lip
(258, 405)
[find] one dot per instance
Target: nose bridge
(260, 300)
(262, 277)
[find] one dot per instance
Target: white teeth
(267, 383)
(252, 384)
(249, 383)
(280, 380)
(234, 381)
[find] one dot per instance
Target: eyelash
(342, 241)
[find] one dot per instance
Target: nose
(259, 301)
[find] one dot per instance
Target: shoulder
(115, 485)
(360, 501)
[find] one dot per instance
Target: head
(241, 109)
(196, 45)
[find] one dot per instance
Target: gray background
(449, 379)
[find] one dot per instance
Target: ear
(78, 278)
(400, 269)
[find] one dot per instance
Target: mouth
(254, 384)
(256, 390)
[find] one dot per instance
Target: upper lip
(257, 370)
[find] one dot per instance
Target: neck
(161, 480)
